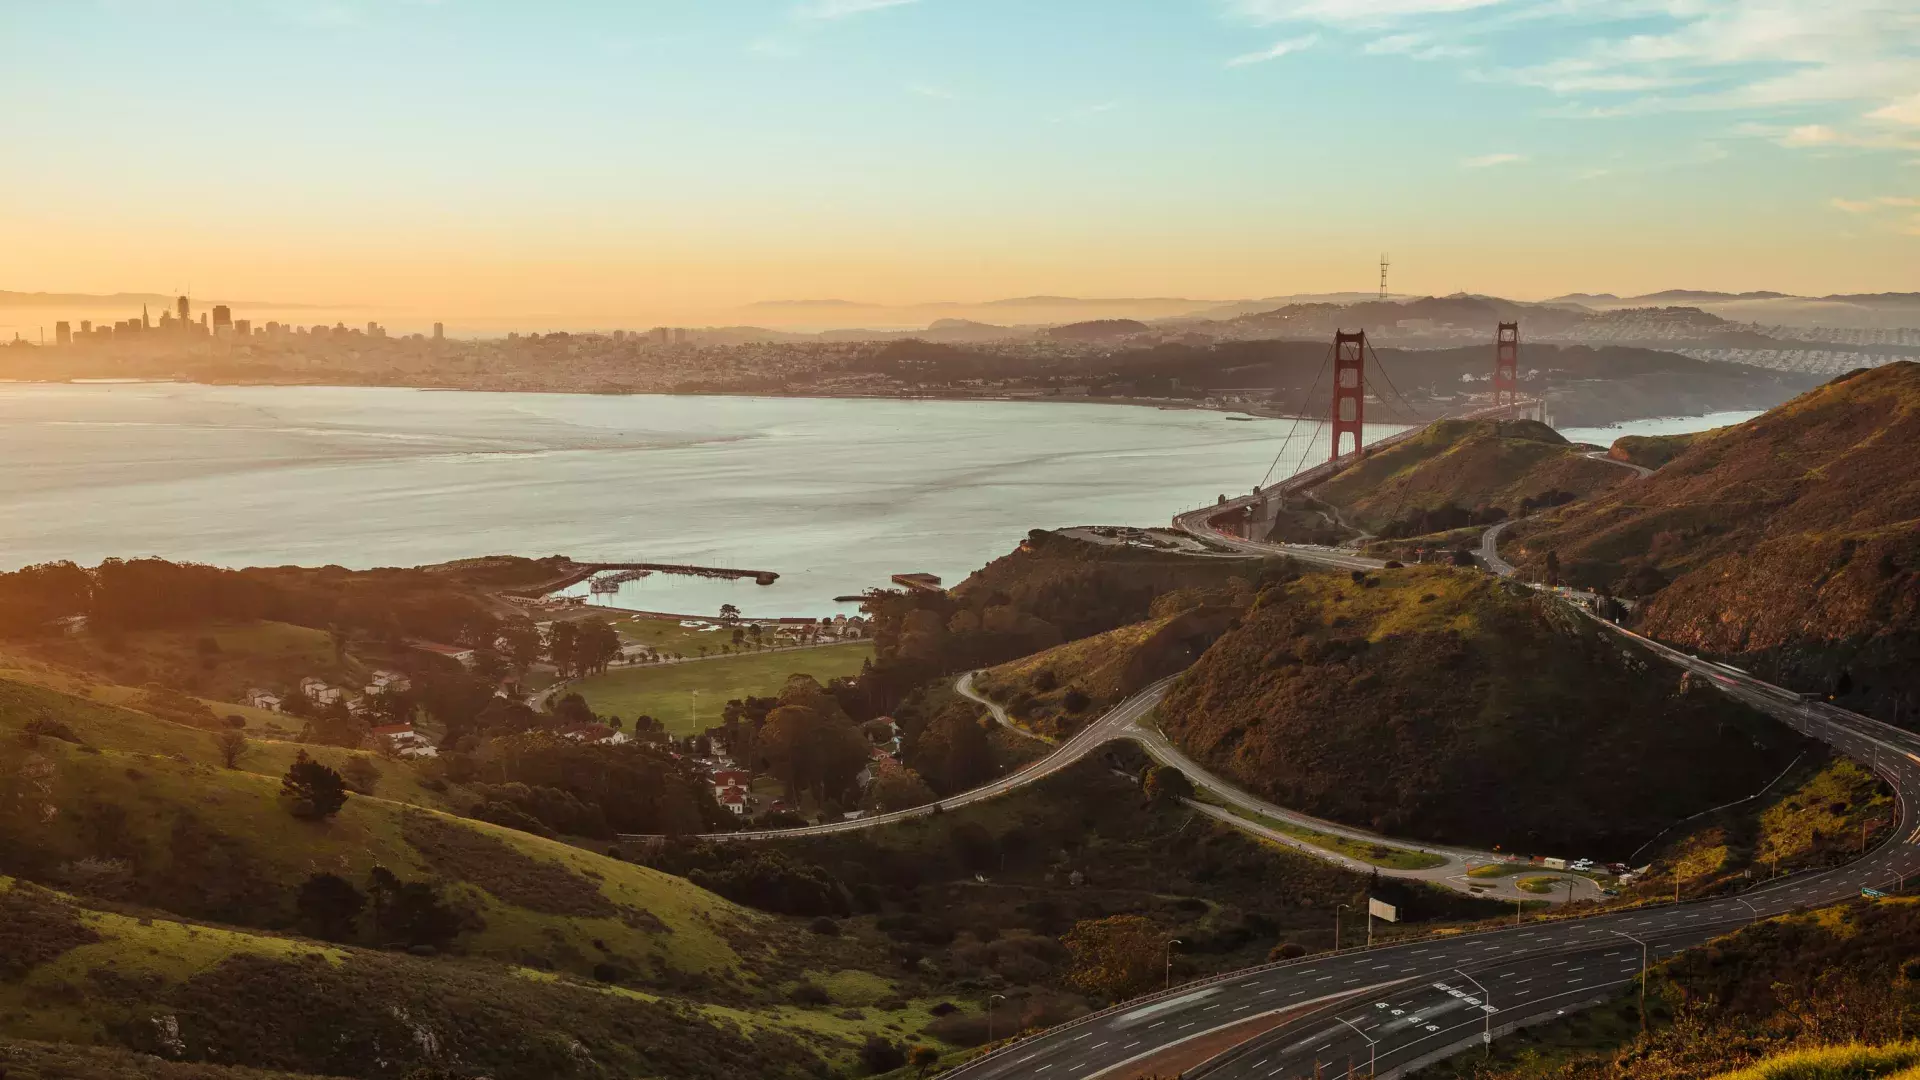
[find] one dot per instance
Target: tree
(1165, 784)
(329, 904)
(563, 646)
(810, 751)
(317, 792)
(897, 788)
(340, 637)
(233, 748)
(923, 1058)
(729, 613)
(520, 643)
(1553, 568)
(410, 913)
(572, 711)
(1117, 957)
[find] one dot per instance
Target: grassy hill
(1791, 541)
(1056, 691)
(1450, 706)
(1465, 464)
(215, 843)
(186, 991)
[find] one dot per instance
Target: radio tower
(1383, 275)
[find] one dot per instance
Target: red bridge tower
(1506, 364)
(1349, 387)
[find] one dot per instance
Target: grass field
(666, 693)
(1390, 858)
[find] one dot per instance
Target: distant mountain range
(126, 300)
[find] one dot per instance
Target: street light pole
(1336, 924)
(990, 1000)
(1372, 1052)
(1486, 1037)
(1643, 973)
(1171, 942)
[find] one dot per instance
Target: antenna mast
(1383, 275)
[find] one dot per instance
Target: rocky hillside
(1791, 542)
(1460, 467)
(1453, 707)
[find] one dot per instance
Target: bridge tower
(1349, 387)
(1506, 364)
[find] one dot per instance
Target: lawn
(668, 692)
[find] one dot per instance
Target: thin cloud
(1275, 51)
(1488, 161)
(934, 92)
(841, 9)
(1348, 12)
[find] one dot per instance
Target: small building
(263, 699)
(318, 692)
(734, 800)
(464, 657)
(596, 735)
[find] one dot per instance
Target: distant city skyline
(668, 160)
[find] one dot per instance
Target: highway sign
(1380, 909)
(1872, 894)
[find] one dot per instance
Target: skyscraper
(243, 328)
(439, 332)
(62, 334)
(222, 320)
(185, 308)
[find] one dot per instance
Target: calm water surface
(834, 495)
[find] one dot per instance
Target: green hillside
(1791, 541)
(1463, 466)
(1453, 707)
(215, 843)
(194, 992)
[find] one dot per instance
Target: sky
(576, 158)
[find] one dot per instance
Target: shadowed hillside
(1450, 706)
(1791, 541)
(1461, 467)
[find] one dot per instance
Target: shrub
(807, 993)
(825, 927)
(881, 1055)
